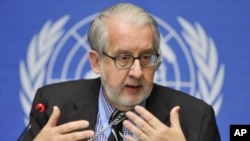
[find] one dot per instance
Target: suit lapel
(86, 104)
(88, 112)
(156, 104)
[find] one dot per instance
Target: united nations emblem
(189, 60)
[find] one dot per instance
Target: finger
(135, 130)
(54, 117)
(80, 135)
(140, 123)
(72, 126)
(129, 138)
(148, 117)
(174, 117)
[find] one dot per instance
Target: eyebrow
(121, 51)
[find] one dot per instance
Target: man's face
(125, 88)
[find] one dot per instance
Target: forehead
(123, 36)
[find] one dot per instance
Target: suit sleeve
(209, 130)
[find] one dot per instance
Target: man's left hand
(148, 128)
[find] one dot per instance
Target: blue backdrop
(206, 48)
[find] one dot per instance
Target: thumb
(174, 117)
(54, 117)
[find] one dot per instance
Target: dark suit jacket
(79, 100)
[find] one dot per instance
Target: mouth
(133, 88)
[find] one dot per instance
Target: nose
(136, 69)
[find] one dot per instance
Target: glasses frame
(134, 58)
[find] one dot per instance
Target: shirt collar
(108, 108)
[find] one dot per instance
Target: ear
(94, 59)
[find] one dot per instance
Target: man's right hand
(65, 132)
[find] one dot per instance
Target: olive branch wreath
(210, 74)
(33, 69)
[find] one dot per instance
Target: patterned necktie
(116, 120)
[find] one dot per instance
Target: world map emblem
(189, 60)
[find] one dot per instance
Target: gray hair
(98, 33)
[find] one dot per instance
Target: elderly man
(124, 103)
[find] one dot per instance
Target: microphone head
(41, 106)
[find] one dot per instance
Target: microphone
(40, 107)
(38, 114)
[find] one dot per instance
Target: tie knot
(117, 117)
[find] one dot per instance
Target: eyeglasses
(126, 61)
